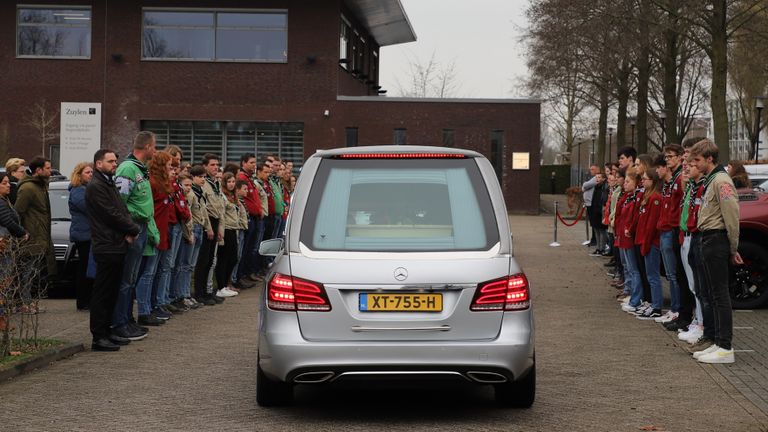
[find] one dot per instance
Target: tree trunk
(671, 104)
(718, 55)
(643, 76)
(622, 97)
(601, 127)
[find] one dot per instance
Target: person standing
(113, 230)
(15, 168)
(132, 181)
(198, 226)
(80, 231)
(588, 191)
(669, 225)
(227, 253)
(10, 227)
(719, 226)
(34, 207)
(255, 233)
(214, 204)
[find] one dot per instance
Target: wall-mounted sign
(80, 133)
(521, 160)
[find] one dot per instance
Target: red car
(749, 283)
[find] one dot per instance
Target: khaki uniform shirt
(216, 204)
(720, 208)
(199, 216)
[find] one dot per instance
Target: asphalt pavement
(598, 369)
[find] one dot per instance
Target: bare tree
(429, 79)
(45, 123)
(22, 285)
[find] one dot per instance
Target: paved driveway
(598, 370)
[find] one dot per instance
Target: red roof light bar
(401, 156)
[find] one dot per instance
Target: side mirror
(271, 247)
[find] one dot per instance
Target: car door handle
(375, 329)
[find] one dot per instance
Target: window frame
(215, 12)
(89, 8)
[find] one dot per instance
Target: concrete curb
(41, 360)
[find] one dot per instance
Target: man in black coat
(112, 230)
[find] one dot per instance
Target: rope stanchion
(555, 243)
(578, 218)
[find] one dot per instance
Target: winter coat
(132, 180)
(80, 228)
(10, 224)
(34, 207)
(108, 216)
(14, 189)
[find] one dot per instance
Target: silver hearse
(397, 264)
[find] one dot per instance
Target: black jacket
(109, 217)
(9, 219)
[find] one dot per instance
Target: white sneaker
(225, 292)
(627, 308)
(642, 308)
(693, 334)
(711, 348)
(670, 316)
(720, 355)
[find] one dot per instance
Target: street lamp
(663, 118)
(592, 154)
(632, 123)
(610, 141)
(759, 105)
(580, 143)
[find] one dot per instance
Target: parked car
(56, 175)
(749, 283)
(65, 251)
(397, 263)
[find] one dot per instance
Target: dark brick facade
(132, 90)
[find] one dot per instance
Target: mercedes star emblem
(401, 274)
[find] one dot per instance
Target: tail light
(401, 156)
(509, 293)
(289, 293)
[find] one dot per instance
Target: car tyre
(271, 392)
(752, 276)
(517, 394)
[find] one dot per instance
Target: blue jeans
(145, 295)
(632, 277)
(165, 266)
(668, 245)
(652, 267)
(133, 258)
(185, 264)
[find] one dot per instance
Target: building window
(215, 36)
(54, 32)
(497, 149)
(230, 140)
(448, 135)
(346, 31)
(351, 137)
(400, 136)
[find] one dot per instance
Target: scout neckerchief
(711, 176)
(214, 184)
(669, 186)
(199, 194)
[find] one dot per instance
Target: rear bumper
(284, 354)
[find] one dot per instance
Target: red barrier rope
(578, 218)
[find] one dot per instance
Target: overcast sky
(480, 36)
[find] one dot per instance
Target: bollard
(555, 243)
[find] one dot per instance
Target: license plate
(371, 302)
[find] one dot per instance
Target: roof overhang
(385, 20)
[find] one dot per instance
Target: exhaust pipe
(487, 377)
(313, 377)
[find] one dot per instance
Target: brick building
(228, 77)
